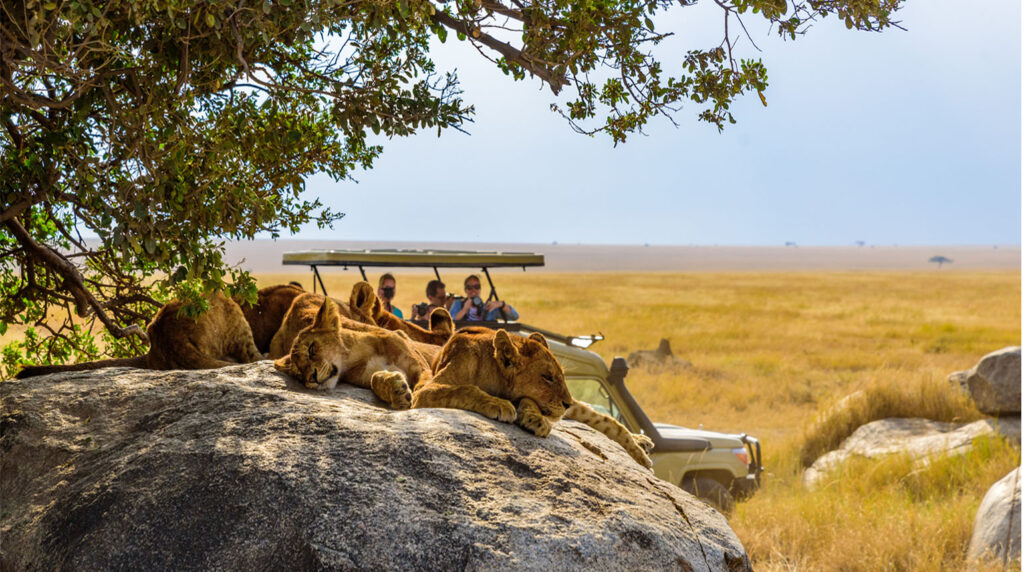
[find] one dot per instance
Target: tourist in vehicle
(473, 308)
(386, 293)
(437, 297)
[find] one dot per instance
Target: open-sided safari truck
(717, 467)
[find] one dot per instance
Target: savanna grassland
(769, 351)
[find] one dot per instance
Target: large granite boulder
(239, 468)
(996, 535)
(917, 438)
(994, 383)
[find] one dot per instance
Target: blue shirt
(474, 313)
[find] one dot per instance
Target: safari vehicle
(717, 467)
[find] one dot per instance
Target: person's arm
(459, 310)
(510, 313)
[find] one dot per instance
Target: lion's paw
(534, 423)
(500, 410)
(392, 388)
(644, 442)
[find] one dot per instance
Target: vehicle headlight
(741, 454)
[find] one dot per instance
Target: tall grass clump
(918, 396)
(895, 513)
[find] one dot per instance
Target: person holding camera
(473, 308)
(437, 297)
(386, 293)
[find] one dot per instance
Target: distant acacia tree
(940, 260)
(166, 127)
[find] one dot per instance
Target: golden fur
(636, 445)
(326, 352)
(266, 315)
(503, 377)
(356, 316)
(511, 378)
(218, 338)
(440, 321)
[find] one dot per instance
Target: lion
(356, 316)
(509, 379)
(326, 352)
(441, 325)
(514, 379)
(218, 338)
(266, 315)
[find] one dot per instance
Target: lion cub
(514, 379)
(325, 353)
(507, 378)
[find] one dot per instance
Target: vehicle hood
(718, 440)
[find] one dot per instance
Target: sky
(900, 138)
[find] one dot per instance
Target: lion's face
(317, 357)
(534, 372)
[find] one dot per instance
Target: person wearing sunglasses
(386, 293)
(473, 308)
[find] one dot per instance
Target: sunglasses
(472, 286)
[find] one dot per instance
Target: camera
(421, 308)
(388, 292)
(476, 301)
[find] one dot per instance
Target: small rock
(994, 383)
(918, 438)
(657, 359)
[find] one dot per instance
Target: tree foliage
(166, 127)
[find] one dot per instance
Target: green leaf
(210, 20)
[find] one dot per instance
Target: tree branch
(85, 303)
(555, 80)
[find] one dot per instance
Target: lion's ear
(284, 365)
(362, 298)
(505, 352)
(441, 322)
(378, 308)
(328, 317)
(539, 337)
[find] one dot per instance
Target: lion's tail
(609, 426)
(35, 370)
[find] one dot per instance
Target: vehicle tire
(710, 491)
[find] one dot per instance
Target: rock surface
(239, 468)
(994, 383)
(996, 533)
(918, 438)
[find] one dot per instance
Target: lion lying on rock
(219, 338)
(507, 378)
(325, 352)
(232, 332)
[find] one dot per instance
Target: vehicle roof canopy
(414, 258)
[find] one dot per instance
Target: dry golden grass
(769, 353)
